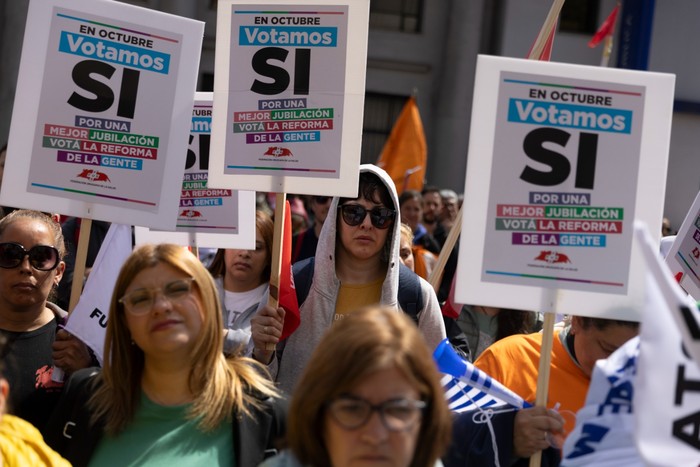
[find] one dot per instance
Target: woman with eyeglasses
(370, 395)
(242, 278)
(31, 266)
(167, 395)
(356, 264)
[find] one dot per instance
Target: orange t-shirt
(514, 361)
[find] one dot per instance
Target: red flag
(405, 153)
(606, 29)
(287, 292)
(450, 308)
(546, 53)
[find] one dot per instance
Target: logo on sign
(277, 151)
(552, 257)
(94, 175)
(190, 213)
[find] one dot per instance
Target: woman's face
(244, 268)
(412, 213)
(363, 241)
(406, 253)
(372, 443)
(24, 287)
(592, 344)
(171, 326)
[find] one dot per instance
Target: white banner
(88, 321)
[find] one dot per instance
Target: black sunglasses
(354, 214)
(41, 257)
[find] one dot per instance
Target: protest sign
(207, 217)
(684, 256)
(288, 96)
(562, 159)
(101, 111)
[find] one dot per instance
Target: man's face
(432, 205)
(449, 208)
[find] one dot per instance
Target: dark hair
(53, 226)
(514, 322)
(430, 189)
(408, 195)
(602, 323)
(372, 189)
(266, 226)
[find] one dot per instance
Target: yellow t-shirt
(354, 296)
(514, 361)
(22, 444)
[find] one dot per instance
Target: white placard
(101, 112)
(288, 96)
(562, 159)
(684, 255)
(208, 217)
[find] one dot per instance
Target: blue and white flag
(88, 321)
(462, 397)
(469, 388)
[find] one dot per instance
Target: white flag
(667, 391)
(88, 321)
(604, 432)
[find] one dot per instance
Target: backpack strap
(410, 295)
(303, 272)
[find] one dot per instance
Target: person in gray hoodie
(356, 264)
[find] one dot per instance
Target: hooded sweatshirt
(318, 310)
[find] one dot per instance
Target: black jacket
(71, 434)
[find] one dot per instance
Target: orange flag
(287, 292)
(405, 153)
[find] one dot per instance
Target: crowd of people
(195, 371)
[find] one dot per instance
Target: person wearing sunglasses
(31, 266)
(304, 243)
(356, 264)
(167, 395)
(370, 395)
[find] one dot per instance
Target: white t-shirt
(237, 302)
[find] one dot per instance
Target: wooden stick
(276, 264)
(80, 259)
(549, 23)
(543, 375)
(436, 274)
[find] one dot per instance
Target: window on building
(579, 16)
(396, 15)
(381, 112)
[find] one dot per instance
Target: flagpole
(436, 274)
(546, 30)
(80, 260)
(276, 264)
(545, 36)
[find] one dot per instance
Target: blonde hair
(368, 340)
(220, 386)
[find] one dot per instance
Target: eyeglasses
(354, 214)
(141, 301)
(321, 199)
(396, 414)
(41, 257)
